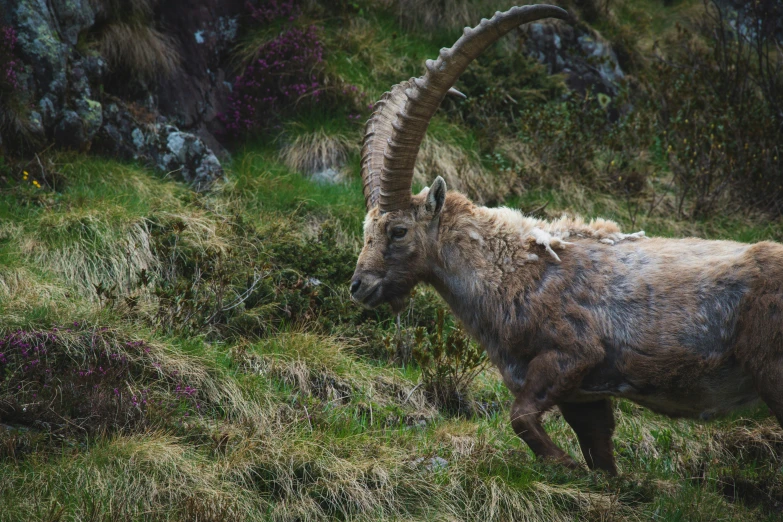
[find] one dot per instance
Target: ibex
(571, 313)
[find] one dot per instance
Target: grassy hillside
(167, 355)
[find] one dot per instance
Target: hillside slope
(171, 355)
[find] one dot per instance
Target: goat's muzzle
(366, 289)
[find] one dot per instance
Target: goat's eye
(398, 232)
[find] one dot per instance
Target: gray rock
(186, 154)
(578, 51)
(69, 89)
(72, 16)
(39, 45)
(327, 176)
(91, 114)
(431, 464)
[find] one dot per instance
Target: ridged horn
(395, 130)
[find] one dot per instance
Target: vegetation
(168, 355)
(134, 49)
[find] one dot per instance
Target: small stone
(327, 176)
(431, 464)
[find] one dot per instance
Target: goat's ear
(436, 196)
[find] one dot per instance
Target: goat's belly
(702, 396)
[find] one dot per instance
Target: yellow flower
(35, 182)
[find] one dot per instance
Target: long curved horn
(394, 132)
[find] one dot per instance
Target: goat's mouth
(369, 297)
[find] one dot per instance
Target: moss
(92, 117)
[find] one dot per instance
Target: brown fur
(574, 313)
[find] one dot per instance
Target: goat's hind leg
(593, 423)
(769, 384)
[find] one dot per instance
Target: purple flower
(282, 75)
(9, 65)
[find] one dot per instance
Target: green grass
(265, 186)
(375, 52)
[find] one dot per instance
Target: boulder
(165, 147)
(76, 101)
(579, 52)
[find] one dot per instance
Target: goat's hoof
(569, 462)
(562, 460)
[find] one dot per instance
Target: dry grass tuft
(762, 442)
(104, 247)
(87, 250)
(150, 476)
(139, 51)
(322, 367)
(22, 293)
(316, 151)
(463, 171)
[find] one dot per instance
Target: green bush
(500, 86)
(449, 363)
(719, 111)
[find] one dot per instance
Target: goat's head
(398, 246)
(400, 230)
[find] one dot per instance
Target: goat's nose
(355, 284)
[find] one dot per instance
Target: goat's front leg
(545, 383)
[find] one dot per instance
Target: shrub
(719, 108)
(201, 277)
(493, 107)
(576, 138)
(449, 363)
(86, 380)
(283, 74)
(559, 134)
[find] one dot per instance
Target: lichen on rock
(65, 84)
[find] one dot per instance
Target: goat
(571, 313)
